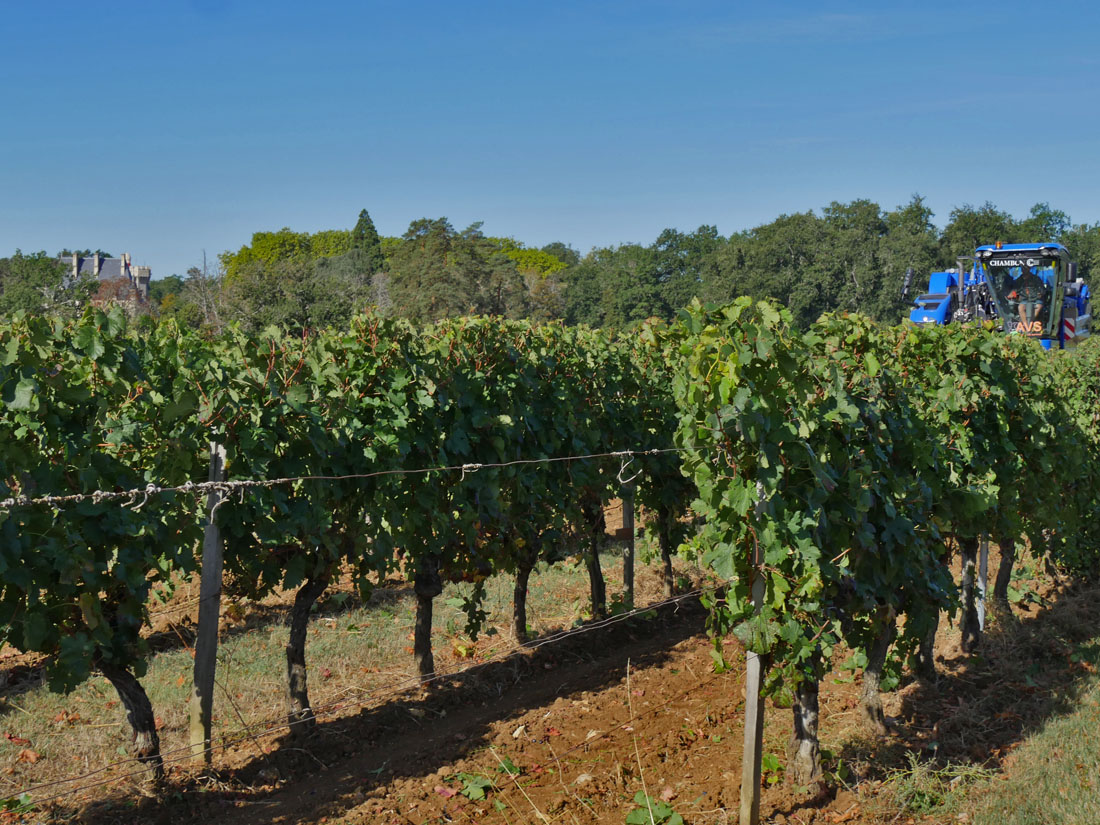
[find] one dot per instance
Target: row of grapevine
(830, 467)
(837, 462)
(358, 418)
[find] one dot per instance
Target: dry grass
(1055, 776)
(1008, 735)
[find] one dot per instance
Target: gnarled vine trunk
(597, 530)
(519, 595)
(426, 585)
(924, 660)
(664, 541)
(870, 697)
(299, 712)
(804, 751)
(1004, 576)
(139, 713)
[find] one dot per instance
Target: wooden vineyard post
(754, 707)
(206, 641)
(628, 555)
(983, 579)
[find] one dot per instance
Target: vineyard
(821, 478)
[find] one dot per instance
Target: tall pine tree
(364, 237)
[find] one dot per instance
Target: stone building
(115, 275)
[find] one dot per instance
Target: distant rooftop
(111, 269)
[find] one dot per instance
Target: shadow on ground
(1028, 669)
(412, 734)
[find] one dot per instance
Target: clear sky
(172, 127)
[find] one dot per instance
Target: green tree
(564, 253)
(910, 242)
(783, 260)
(297, 294)
(425, 281)
(545, 297)
(530, 261)
(285, 245)
(1043, 224)
(542, 272)
(679, 260)
(342, 287)
(615, 286)
(364, 239)
(581, 299)
(39, 283)
(437, 272)
(329, 242)
(855, 231)
(162, 288)
(83, 253)
(972, 227)
(1083, 243)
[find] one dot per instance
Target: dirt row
(574, 731)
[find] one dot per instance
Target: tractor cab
(1035, 292)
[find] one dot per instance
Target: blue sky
(168, 128)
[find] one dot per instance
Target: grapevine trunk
(924, 660)
(870, 697)
(664, 540)
(300, 714)
(804, 753)
(597, 526)
(427, 585)
(139, 713)
(519, 599)
(1004, 575)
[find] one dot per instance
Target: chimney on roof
(76, 265)
(95, 265)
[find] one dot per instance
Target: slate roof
(110, 269)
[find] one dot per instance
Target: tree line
(846, 257)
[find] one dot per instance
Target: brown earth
(571, 731)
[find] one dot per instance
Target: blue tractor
(1028, 289)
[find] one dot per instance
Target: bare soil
(571, 731)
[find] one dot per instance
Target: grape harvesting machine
(1027, 289)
